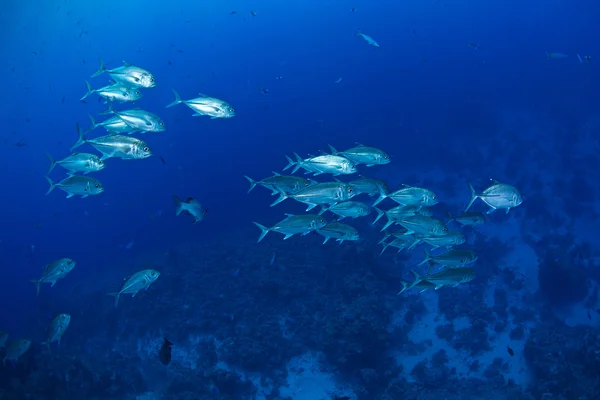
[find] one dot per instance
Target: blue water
(446, 112)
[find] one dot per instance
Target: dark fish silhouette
(164, 353)
(510, 351)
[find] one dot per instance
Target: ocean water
(456, 92)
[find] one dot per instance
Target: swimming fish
(164, 354)
(190, 206)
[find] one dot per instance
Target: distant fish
(510, 351)
(164, 353)
(368, 38)
(556, 55)
(273, 258)
(190, 206)
(584, 59)
(338, 80)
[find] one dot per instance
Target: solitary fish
(58, 326)
(83, 186)
(205, 105)
(294, 224)
(368, 38)
(54, 271)
(499, 195)
(15, 350)
(128, 75)
(190, 206)
(78, 162)
(164, 354)
(138, 281)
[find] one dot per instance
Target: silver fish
(58, 326)
(190, 206)
(284, 183)
(396, 214)
(361, 154)
(78, 162)
(499, 195)
(323, 164)
(399, 242)
(468, 218)
(138, 120)
(114, 125)
(116, 146)
(77, 185)
(410, 196)
(369, 186)
(319, 194)
(205, 105)
(422, 225)
(114, 92)
(451, 238)
(368, 38)
(450, 277)
(138, 281)
(128, 75)
(351, 209)
(294, 224)
(451, 259)
(338, 231)
(15, 350)
(54, 271)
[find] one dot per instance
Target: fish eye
(137, 92)
(349, 190)
(146, 148)
(97, 186)
(161, 123)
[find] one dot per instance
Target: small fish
(351, 209)
(499, 195)
(253, 13)
(361, 154)
(205, 105)
(58, 326)
(264, 90)
(338, 231)
(271, 262)
(468, 218)
(369, 186)
(449, 277)
(138, 281)
(451, 259)
(399, 242)
(423, 225)
(319, 194)
(78, 162)
(278, 182)
(368, 38)
(15, 350)
(323, 164)
(164, 354)
(410, 196)
(233, 12)
(190, 206)
(510, 351)
(556, 55)
(128, 75)
(294, 224)
(83, 186)
(54, 271)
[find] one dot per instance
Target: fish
(369, 186)
(451, 238)
(54, 271)
(191, 207)
(164, 354)
(128, 75)
(77, 162)
(497, 196)
(3, 339)
(15, 350)
(293, 224)
(116, 146)
(351, 209)
(423, 225)
(451, 259)
(58, 326)
(511, 352)
(555, 55)
(584, 59)
(113, 125)
(77, 185)
(396, 233)
(402, 212)
(368, 38)
(205, 105)
(400, 242)
(468, 218)
(323, 164)
(338, 80)
(449, 277)
(410, 196)
(277, 182)
(423, 285)
(319, 194)
(138, 120)
(338, 231)
(361, 154)
(138, 281)
(114, 92)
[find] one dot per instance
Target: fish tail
(431, 264)
(414, 244)
(385, 246)
(382, 195)
(427, 258)
(116, 295)
(93, 121)
(52, 186)
(81, 139)
(323, 210)
(473, 197)
(282, 197)
(333, 150)
(177, 99)
(291, 163)
(52, 163)
(47, 344)
(178, 205)
(451, 217)
(404, 287)
(101, 70)
(384, 239)
(90, 90)
(387, 224)
(37, 286)
(252, 183)
(298, 163)
(264, 231)
(379, 215)
(109, 110)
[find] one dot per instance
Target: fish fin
(176, 101)
(93, 121)
(507, 210)
(116, 295)
(52, 283)
(473, 197)
(491, 210)
(291, 163)
(69, 195)
(101, 70)
(323, 210)
(340, 240)
(52, 185)
(431, 265)
(288, 215)
(341, 217)
(83, 196)
(310, 206)
(326, 239)
(298, 163)
(178, 205)
(81, 139)
(438, 287)
(427, 258)
(385, 246)
(125, 63)
(384, 239)
(404, 287)
(252, 183)
(37, 286)
(264, 231)
(382, 196)
(282, 197)
(287, 236)
(414, 244)
(90, 91)
(110, 109)
(333, 150)
(52, 163)
(387, 224)
(275, 173)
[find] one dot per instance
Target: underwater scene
(300, 200)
